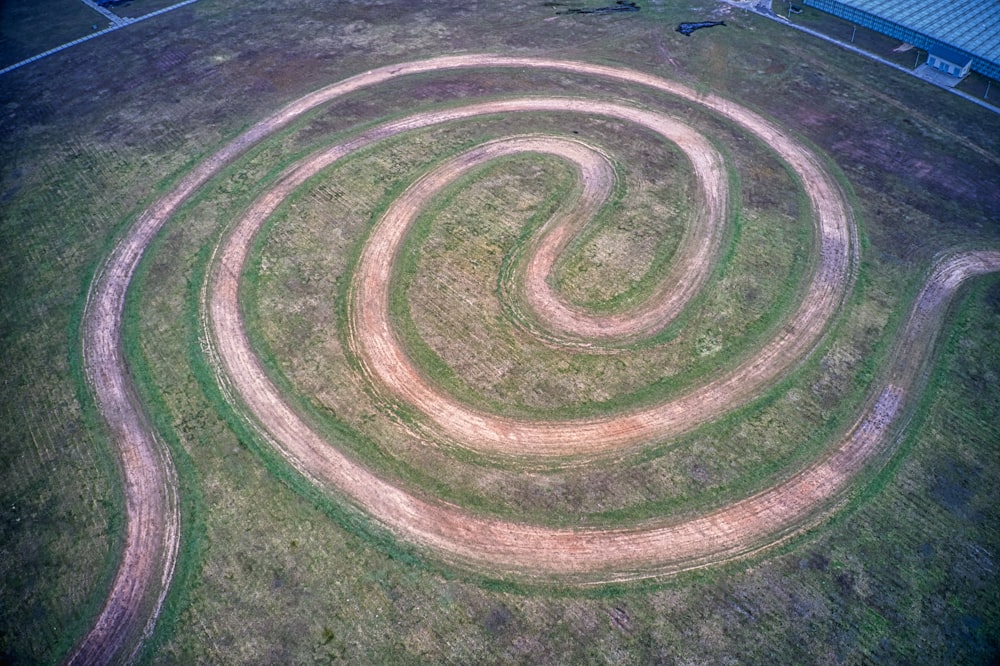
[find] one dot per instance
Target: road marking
(117, 24)
(108, 14)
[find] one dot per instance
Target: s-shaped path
(152, 519)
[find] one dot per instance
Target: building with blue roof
(962, 33)
(949, 61)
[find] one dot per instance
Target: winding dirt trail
(499, 547)
(374, 342)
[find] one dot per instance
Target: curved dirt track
(375, 344)
(499, 547)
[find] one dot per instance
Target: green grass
(193, 542)
(423, 470)
(30, 28)
(62, 522)
(471, 239)
(274, 570)
(300, 327)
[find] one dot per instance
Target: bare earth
(495, 546)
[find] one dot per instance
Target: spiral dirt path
(496, 546)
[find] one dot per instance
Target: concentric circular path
(501, 547)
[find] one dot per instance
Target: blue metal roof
(969, 26)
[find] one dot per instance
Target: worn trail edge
(495, 546)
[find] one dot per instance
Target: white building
(949, 61)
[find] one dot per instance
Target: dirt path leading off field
(496, 547)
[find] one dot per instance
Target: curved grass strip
(693, 260)
(152, 521)
(373, 340)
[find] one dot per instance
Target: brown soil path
(374, 342)
(152, 517)
(507, 548)
(693, 260)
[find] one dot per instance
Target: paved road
(107, 13)
(117, 23)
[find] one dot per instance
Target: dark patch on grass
(498, 619)
(951, 487)
(816, 560)
(619, 6)
(992, 299)
(620, 619)
(687, 28)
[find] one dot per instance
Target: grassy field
(454, 270)
(273, 571)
